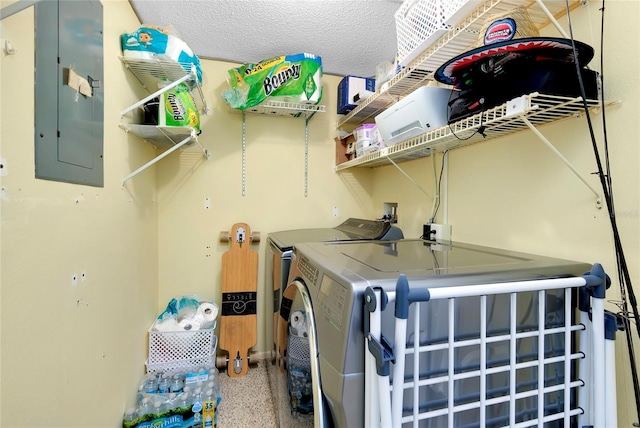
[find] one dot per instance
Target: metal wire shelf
(158, 76)
(286, 109)
(456, 40)
(502, 120)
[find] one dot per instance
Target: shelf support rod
(155, 94)
(552, 18)
(563, 159)
(410, 179)
(156, 159)
(306, 157)
(244, 152)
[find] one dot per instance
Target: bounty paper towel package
(154, 42)
(175, 107)
(179, 108)
(292, 78)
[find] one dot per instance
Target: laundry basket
(169, 346)
(185, 364)
(419, 23)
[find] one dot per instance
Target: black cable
(480, 129)
(437, 207)
(606, 181)
(625, 318)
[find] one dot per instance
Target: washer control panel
(309, 271)
(332, 300)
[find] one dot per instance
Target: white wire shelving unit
(159, 76)
(525, 112)
(499, 121)
(456, 40)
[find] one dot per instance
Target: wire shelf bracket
(282, 109)
(153, 73)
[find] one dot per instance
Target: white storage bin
(181, 365)
(169, 346)
(419, 23)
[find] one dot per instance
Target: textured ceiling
(351, 36)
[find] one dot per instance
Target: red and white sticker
(500, 31)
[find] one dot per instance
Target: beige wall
(154, 239)
(72, 355)
(274, 199)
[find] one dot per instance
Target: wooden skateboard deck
(238, 319)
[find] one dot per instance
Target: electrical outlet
(436, 232)
(390, 211)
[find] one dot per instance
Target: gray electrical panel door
(69, 101)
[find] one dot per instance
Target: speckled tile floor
(246, 401)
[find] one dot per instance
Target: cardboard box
(345, 148)
(349, 88)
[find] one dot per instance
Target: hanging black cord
(435, 210)
(480, 129)
(606, 182)
(621, 279)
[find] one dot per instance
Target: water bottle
(130, 414)
(140, 394)
(145, 407)
(182, 400)
(150, 385)
(197, 406)
(157, 409)
(187, 389)
(176, 384)
(169, 403)
(129, 417)
(209, 404)
(163, 385)
(208, 422)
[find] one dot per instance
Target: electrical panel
(69, 93)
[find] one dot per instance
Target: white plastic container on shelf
(419, 23)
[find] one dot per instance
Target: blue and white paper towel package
(154, 42)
